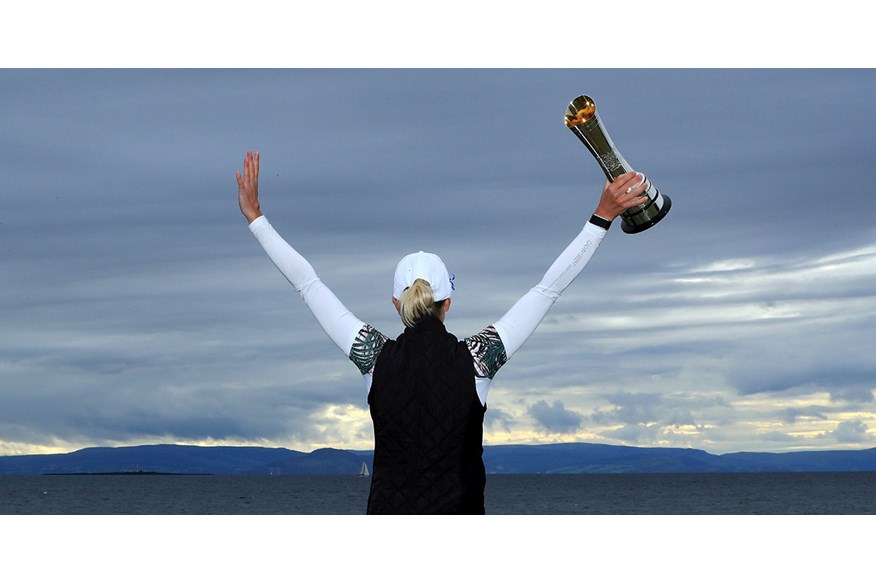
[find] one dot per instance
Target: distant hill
(225, 460)
(512, 459)
(606, 459)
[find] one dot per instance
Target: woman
(427, 391)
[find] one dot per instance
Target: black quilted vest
(428, 426)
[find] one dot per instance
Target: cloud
(671, 409)
(635, 408)
(849, 432)
(790, 415)
(852, 394)
(634, 433)
(555, 418)
(777, 437)
(496, 417)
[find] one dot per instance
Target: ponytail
(418, 301)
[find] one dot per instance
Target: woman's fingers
(252, 169)
(250, 177)
(631, 188)
(248, 187)
(629, 182)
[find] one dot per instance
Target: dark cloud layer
(137, 306)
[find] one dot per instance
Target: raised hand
(248, 187)
(622, 194)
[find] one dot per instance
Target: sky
(138, 308)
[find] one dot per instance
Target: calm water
(660, 494)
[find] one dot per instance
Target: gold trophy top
(581, 110)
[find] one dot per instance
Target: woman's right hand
(248, 187)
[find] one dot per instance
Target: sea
(827, 493)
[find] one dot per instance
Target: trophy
(584, 122)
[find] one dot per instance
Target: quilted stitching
(428, 424)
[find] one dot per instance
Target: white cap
(423, 265)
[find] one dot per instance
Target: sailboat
(364, 472)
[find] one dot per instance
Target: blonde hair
(417, 301)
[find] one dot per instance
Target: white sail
(364, 471)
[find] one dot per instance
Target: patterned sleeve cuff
(366, 348)
(487, 351)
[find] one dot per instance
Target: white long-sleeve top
(490, 348)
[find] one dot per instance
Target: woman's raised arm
(516, 326)
(339, 324)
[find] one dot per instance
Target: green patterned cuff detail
(366, 348)
(487, 351)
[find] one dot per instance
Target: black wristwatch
(600, 222)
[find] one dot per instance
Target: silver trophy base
(637, 227)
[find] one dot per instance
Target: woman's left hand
(622, 194)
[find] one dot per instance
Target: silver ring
(629, 190)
